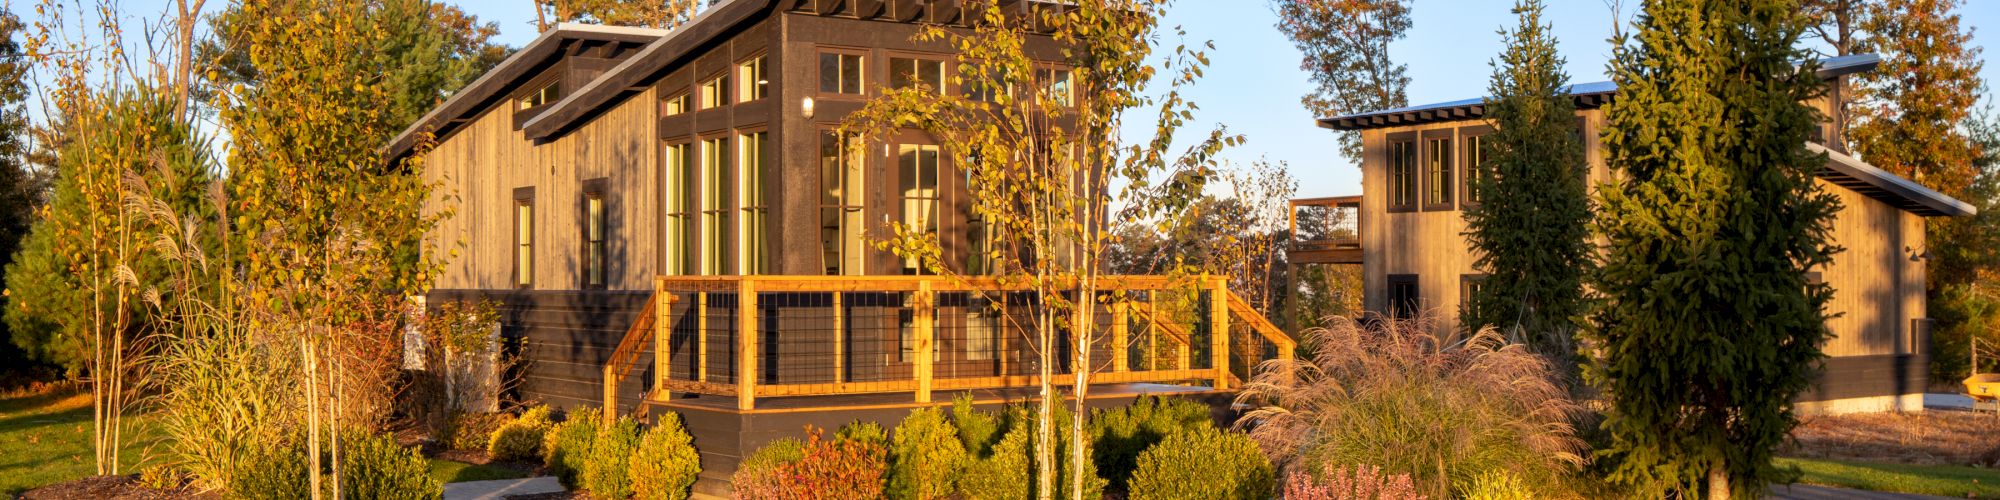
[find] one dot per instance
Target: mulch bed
(109, 487)
(1936, 437)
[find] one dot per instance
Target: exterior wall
(1878, 347)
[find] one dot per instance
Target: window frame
(720, 82)
(548, 88)
(678, 257)
(748, 90)
(681, 96)
(935, 223)
(1467, 198)
(944, 72)
(1469, 285)
(1441, 184)
(1069, 97)
(746, 183)
(1404, 308)
(1411, 178)
(850, 213)
(860, 86)
(714, 208)
(523, 263)
(595, 190)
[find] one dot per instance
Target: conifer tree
(1709, 327)
(1531, 225)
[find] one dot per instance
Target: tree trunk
(1718, 483)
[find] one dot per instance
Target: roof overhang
(500, 80)
(1586, 96)
(640, 70)
(1852, 173)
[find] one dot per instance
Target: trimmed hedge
(375, 467)
(927, 456)
(522, 438)
(1203, 464)
(607, 471)
(566, 448)
(666, 465)
(1119, 435)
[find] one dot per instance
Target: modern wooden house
(1413, 255)
(669, 221)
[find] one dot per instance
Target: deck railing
(1325, 230)
(775, 336)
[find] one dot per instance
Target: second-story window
(1055, 82)
(917, 171)
(1402, 157)
(840, 73)
(713, 92)
(540, 96)
(593, 237)
(750, 82)
(1438, 179)
(1475, 167)
(678, 183)
(674, 105)
(750, 197)
(910, 72)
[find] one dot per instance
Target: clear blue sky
(1255, 84)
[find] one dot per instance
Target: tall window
(909, 72)
(712, 92)
(1438, 180)
(1402, 175)
(917, 173)
(674, 105)
(840, 202)
(593, 239)
(839, 73)
(1475, 167)
(976, 237)
(1056, 83)
(679, 182)
(1469, 286)
(750, 82)
(1403, 297)
(750, 174)
(714, 206)
(524, 237)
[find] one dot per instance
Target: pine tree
(1531, 226)
(1709, 327)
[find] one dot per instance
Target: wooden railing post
(746, 350)
(924, 316)
(839, 339)
(610, 413)
(1218, 332)
(663, 348)
(701, 336)
(1120, 335)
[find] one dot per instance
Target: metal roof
(1852, 173)
(1587, 96)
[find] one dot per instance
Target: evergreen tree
(20, 187)
(1709, 327)
(1531, 226)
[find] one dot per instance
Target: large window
(977, 260)
(714, 207)
(594, 229)
(840, 73)
(524, 237)
(756, 255)
(713, 92)
(1402, 173)
(750, 82)
(678, 183)
(911, 72)
(840, 202)
(1438, 179)
(1474, 156)
(1404, 299)
(917, 176)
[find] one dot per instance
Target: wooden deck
(1333, 232)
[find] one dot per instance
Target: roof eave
(1913, 197)
(638, 70)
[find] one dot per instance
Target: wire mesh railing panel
(797, 339)
(718, 327)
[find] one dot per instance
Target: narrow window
(524, 237)
(712, 92)
(674, 105)
(1475, 168)
(1403, 297)
(679, 183)
(1402, 174)
(1056, 85)
(840, 202)
(839, 73)
(750, 81)
(714, 207)
(909, 73)
(1438, 180)
(593, 238)
(750, 172)
(976, 259)
(540, 96)
(917, 171)
(1469, 287)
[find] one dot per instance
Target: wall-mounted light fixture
(807, 103)
(1917, 255)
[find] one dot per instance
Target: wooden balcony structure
(1333, 232)
(756, 338)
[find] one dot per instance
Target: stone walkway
(498, 489)
(1811, 492)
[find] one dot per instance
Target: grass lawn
(447, 471)
(45, 439)
(1944, 480)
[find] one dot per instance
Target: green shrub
(758, 476)
(1498, 485)
(1203, 464)
(375, 467)
(567, 446)
(666, 464)
(607, 471)
(522, 438)
(1011, 467)
(977, 430)
(273, 473)
(864, 431)
(474, 431)
(927, 456)
(1119, 435)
